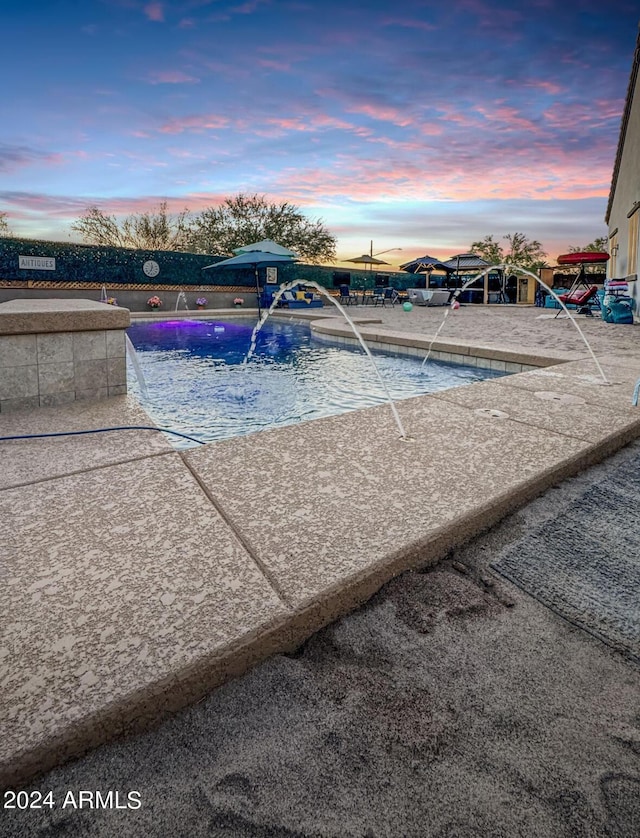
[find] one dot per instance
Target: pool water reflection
(197, 384)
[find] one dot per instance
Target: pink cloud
(197, 124)
(185, 154)
(25, 203)
(13, 157)
(155, 12)
(549, 87)
(269, 64)
(459, 177)
(311, 122)
(232, 71)
(467, 119)
(382, 113)
(507, 118)
(409, 23)
(568, 116)
(248, 8)
(171, 77)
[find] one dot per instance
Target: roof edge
(623, 126)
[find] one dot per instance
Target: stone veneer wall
(53, 352)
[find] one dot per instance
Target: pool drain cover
(562, 398)
(491, 413)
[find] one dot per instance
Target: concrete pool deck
(137, 578)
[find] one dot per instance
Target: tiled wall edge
(419, 352)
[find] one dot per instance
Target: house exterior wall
(623, 211)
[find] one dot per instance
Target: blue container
(617, 309)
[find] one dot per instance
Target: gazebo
(472, 264)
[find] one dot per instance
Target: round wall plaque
(151, 268)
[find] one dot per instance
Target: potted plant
(111, 301)
(201, 302)
(238, 301)
(154, 302)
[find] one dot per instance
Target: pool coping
(317, 567)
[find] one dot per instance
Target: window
(613, 253)
(632, 263)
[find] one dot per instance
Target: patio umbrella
(366, 259)
(424, 264)
(266, 246)
(253, 259)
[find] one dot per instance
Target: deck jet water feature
(184, 300)
(135, 363)
(511, 269)
(290, 286)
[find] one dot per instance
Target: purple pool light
(197, 383)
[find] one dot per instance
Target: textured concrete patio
(136, 578)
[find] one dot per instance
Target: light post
(380, 252)
(370, 260)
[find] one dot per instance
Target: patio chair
(346, 297)
(581, 299)
(390, 296)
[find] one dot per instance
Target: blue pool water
(197, 384)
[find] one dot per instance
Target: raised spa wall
(53, 352)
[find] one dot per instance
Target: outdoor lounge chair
(390, 296)
(300, 299)
(428, 296)
(346, 297)
(581, 299)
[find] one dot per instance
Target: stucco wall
(627, 187)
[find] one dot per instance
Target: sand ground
(521, 327)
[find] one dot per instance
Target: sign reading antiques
(37, 263)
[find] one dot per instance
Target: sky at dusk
(418, 125)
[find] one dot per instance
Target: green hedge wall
(106, 265)
(111, 266)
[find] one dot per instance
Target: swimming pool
(197, 383)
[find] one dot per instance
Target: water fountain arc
(181, 295)
(135, 363)
(506, 267)
(288, 287)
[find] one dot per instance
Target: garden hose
(101, 431)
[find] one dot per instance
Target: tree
(520, 252)
(600, 245)
(152, 230)
(490, 250)
(4, 227)
(250, 218)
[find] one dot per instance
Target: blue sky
(418, 125)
